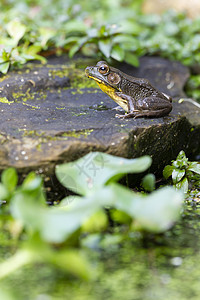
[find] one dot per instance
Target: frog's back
(138, 88)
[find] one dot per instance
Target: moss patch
(28, 95)
(77, 77)
(5, 100)
(4, 78)
(60, 136)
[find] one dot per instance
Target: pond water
(153, 267)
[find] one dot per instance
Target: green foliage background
(111, 30)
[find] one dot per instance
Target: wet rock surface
(52, 114)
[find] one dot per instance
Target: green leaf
(45, 34)
(9, 179)
(7, 295)
(181, 160)
(167, 172)
(194, 167)
(56, 224)
(4, 194)
(15, 262)
(73, 262)
(182, 185)
(120, 216)
(105, 46)
(16, 30)
(96, 223)
(31, 53)
(76, 47)
(148, 182)
(117, 53)
(177, 175)
(156, 212)
(74, 26)
(131, 59)
(33, 49)
(32, 182)
(110, 239)
(126, 42)
(130, 27)
(4, 67)
(96, 169)
(181, 156)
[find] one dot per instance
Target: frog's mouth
(104, 86)
(99, 81)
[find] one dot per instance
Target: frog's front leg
(131, 105)
(118, 107)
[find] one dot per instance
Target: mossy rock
(52, 113)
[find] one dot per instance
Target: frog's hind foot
(134, 114)
(126, 116)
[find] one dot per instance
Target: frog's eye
(114, 78)
(103, 69)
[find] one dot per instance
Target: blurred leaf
(171, 28)
(9, 179)
(70, 261)
(130, 26)
(95, 169)
(68, 41)
(117, 53)
(75, 26)
(110, 240)
(105, 46)
(33, 49)
(148, 182)
(75, 48)
(16, 30)
(126, 41)
(96, 223)
(56, 224)
(156, 212)
(73, 262)
(167, 172)
(15, 262)
(32, 182)
(46, 34)
(3, 192)
(6, 295)
(4, 67)
(131, 59)
(120, 216)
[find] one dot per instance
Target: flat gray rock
(52, 114)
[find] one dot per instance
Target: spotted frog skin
(135, 95)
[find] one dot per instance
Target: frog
(136, 96)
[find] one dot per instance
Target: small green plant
(182, 172)
(193, 87)
(94, 179)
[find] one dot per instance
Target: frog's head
(105, 76)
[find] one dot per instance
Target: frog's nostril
(88, 70)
